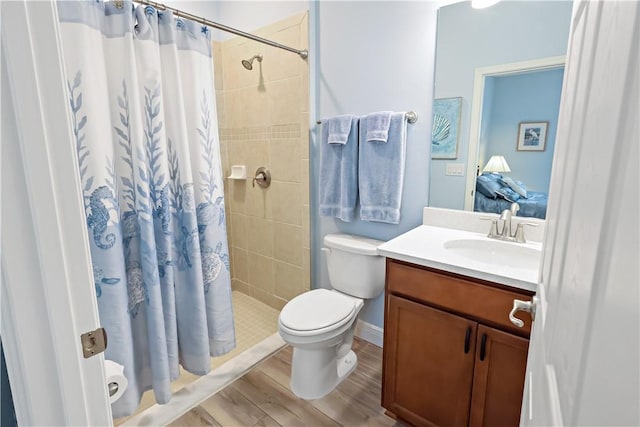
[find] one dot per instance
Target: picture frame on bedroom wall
(446, 128)
(532, 136)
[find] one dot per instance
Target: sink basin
(495, 252)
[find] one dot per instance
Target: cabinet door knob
(518, 305)
(467, 340)
(483, 347)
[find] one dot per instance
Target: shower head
(248, 63)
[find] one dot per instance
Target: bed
(495, 193)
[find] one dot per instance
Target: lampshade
(481, 4)
(496, 164)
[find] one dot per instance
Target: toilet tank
(354, 266)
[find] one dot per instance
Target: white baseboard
(369, 332)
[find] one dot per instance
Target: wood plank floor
(254, 321)
(262, 397)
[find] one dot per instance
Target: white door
(48, 296)
(584, 354)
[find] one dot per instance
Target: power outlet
(455, 169)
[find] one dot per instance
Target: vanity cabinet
(451, 357)
(498, 378)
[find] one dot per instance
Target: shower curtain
(140, 86)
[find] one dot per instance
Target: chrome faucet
(506, 233)
(506, 216)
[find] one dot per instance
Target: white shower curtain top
(145, 21)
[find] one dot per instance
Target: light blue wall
(530, 97)
(510, 31)
(375, 56)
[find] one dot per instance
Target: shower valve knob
(262, 177)
(259, 178)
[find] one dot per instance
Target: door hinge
(94, 342)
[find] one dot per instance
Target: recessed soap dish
(238, 172)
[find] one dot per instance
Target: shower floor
(254, 321)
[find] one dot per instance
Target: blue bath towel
(377, 125)
(339, 169)
(381, 173)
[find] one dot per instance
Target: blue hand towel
(377, 125)
(381, 173)
(339, 128)
(339, 169)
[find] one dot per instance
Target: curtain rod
(304, 54)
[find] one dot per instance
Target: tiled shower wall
(264, 121)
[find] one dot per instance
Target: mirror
(497, 90)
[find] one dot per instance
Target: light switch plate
(455, 169)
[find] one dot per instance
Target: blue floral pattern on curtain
(143, 114)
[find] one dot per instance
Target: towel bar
(411, 117)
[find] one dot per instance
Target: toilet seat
(316, 312)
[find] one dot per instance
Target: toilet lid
(316, 309)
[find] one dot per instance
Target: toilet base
(346, 365)
(316, 373)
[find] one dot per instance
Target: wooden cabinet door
(427, 374)
(498, 379)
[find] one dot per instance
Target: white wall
(510, 31)
(375, 56)
(242, 15)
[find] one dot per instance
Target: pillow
(522, 185)
(516, 186)
(492, 176)
(508, 194)
(487, 186)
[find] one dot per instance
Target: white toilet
(319, 324)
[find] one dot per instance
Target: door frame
(48, 296)
(475, 122)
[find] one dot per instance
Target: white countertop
(425, 245)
